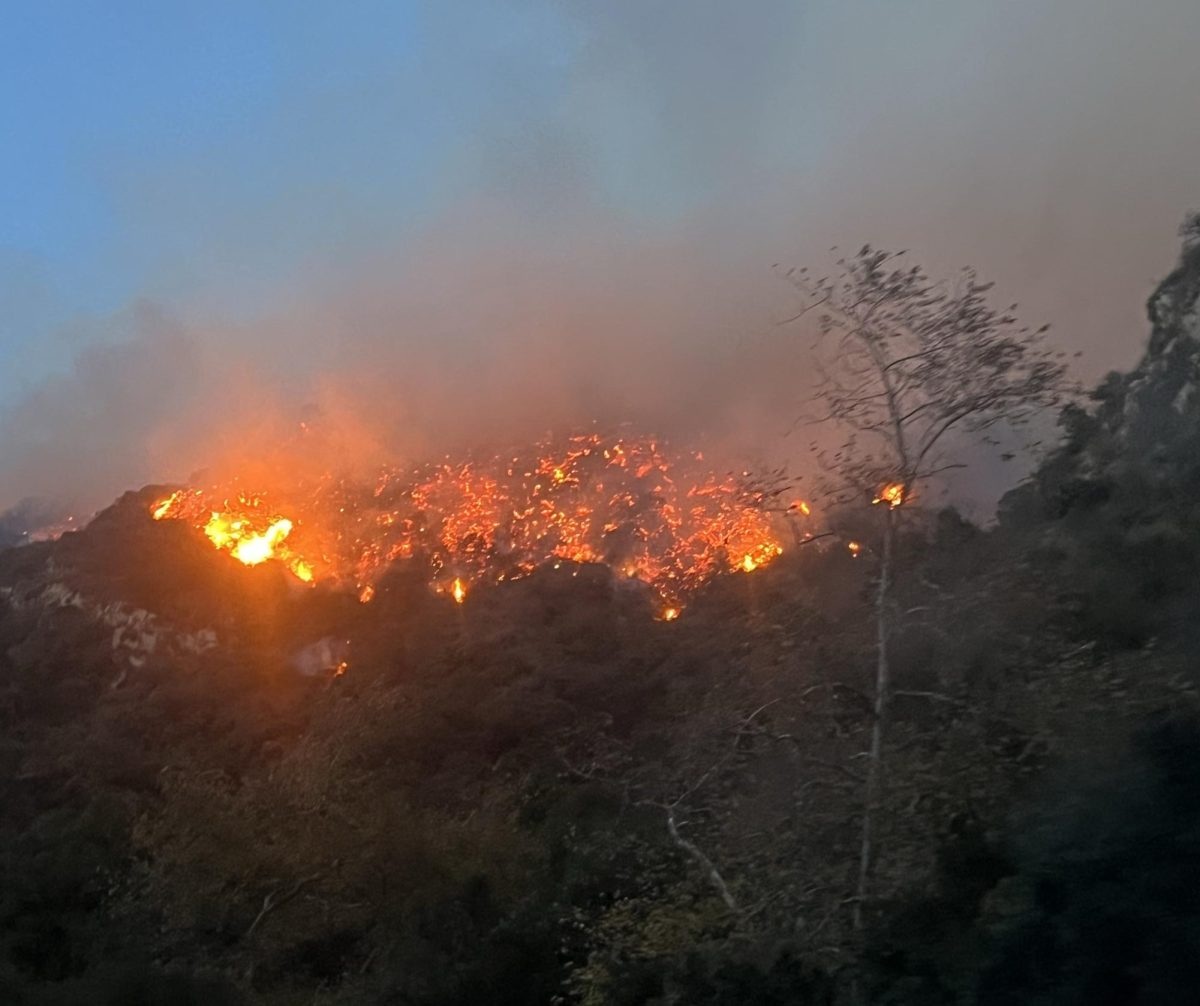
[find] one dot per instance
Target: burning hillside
(628, 503)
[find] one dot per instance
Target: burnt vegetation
(548, 795)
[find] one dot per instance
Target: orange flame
(854, 547)
(246, 534)
(247, 547)
(163, 508)
(623, 502)
(892, 494)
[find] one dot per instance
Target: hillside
(547, 795)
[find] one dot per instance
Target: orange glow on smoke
(625, 502)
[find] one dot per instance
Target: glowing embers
(623, 502)
(668, 521)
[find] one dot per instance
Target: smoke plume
(545, 215)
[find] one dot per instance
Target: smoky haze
(613, 184)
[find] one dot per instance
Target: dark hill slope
(544, 795)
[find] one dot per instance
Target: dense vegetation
(546, 796)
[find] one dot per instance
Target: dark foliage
(1085, 897)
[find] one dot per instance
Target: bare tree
(906, 365)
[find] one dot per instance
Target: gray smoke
(613, 183)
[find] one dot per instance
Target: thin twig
(270, 902)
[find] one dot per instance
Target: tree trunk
(875, 762)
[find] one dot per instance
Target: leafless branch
(704, 862)
(275, 900)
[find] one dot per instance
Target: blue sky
(97, 91)
(136, 134)
(222, 154)
(298, 187)
(177, 151)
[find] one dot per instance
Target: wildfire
(854, 548)
(247, 547)
(162, 509)
(669, 522)
(892, 494)
(243, 528)
(752, 561)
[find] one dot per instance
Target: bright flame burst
(243, 527)
(667, 522)
(247, 546)
(892, 494)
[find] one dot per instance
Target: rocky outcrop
(1117, 505)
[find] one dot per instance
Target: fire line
(666, 520)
